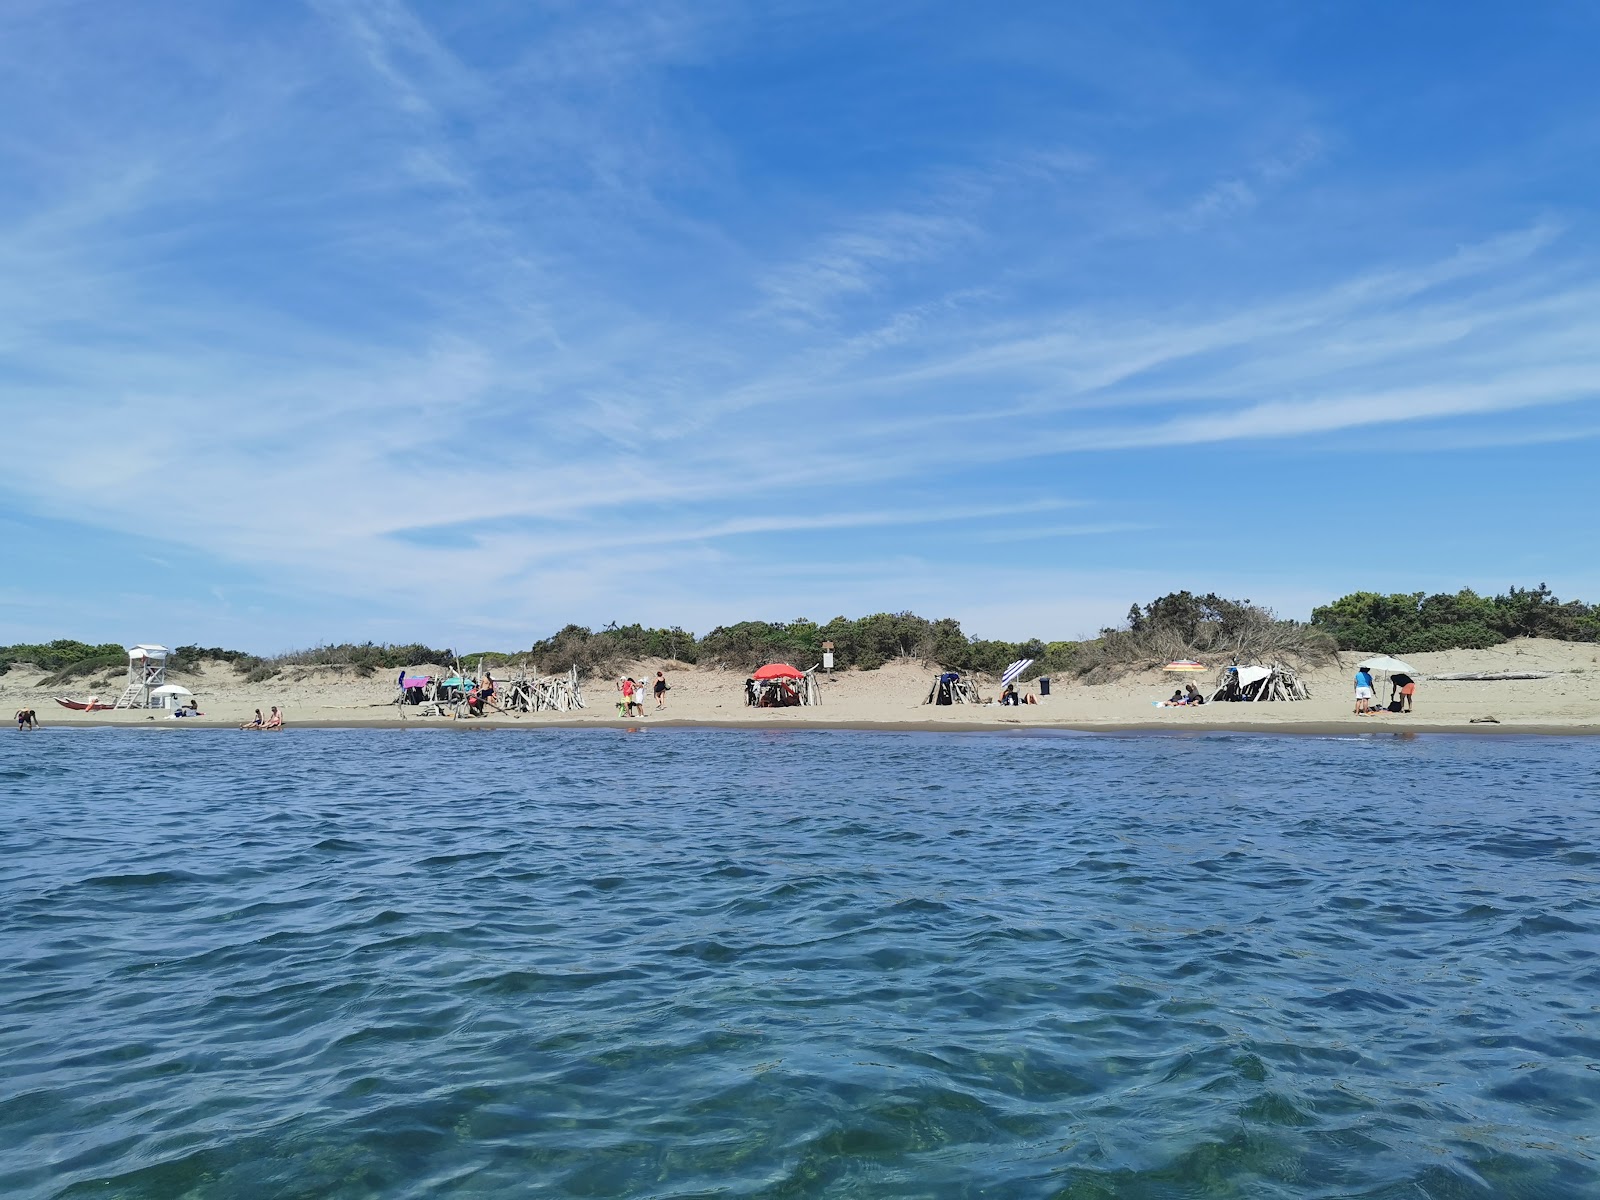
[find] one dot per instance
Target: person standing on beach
(661, 689)
(1363, 690)
(27, 719)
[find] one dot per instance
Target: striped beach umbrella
(1015, 669)
(1184, 664)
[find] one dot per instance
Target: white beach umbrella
(1387, 665)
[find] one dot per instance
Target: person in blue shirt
(1363, 690)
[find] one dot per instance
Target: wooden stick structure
(784, 693)
(524, 693)
(955, 691)
(514, 695)
(1282, 683)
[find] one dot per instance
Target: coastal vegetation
(1181, 625)
(1412, 623)
(1177, 625)
(66, 658)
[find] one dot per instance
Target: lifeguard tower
(147, 668)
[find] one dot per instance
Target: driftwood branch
(1492, 676)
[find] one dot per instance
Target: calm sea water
(680, 963)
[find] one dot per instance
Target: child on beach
(630, 697)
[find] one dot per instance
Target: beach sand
(892, 697)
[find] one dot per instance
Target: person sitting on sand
(1177, 699)
(1008, 695)
(275, 720)
(1193, 694)
(256, 724)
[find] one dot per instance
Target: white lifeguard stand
(147, 668)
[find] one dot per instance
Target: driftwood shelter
(1254, 683)
(778, 685)
(951, 688)
(461, 695)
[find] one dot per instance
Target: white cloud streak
(476, 310)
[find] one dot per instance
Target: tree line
(1177, 625)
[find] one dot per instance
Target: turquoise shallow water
(680, 963)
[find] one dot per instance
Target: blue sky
(399, 320)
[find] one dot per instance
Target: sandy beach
(892, 697)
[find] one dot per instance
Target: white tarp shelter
(1249, 675)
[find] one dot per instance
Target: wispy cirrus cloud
(518, 314)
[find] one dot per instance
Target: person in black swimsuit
(661, 689)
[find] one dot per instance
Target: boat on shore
(92, 704)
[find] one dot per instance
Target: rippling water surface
(680, 963)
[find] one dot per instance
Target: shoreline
(1312, 728)
(1562, 700)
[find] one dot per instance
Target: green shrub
(1182, 625)
(59, 654)
(1410, 623)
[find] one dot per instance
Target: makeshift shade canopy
(778, 685)
(1256, 682)
(950, 688)
(777, 671)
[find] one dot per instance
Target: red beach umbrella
(778, 671)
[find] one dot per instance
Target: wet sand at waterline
(1568, 702)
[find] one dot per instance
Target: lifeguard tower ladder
(147, 668)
